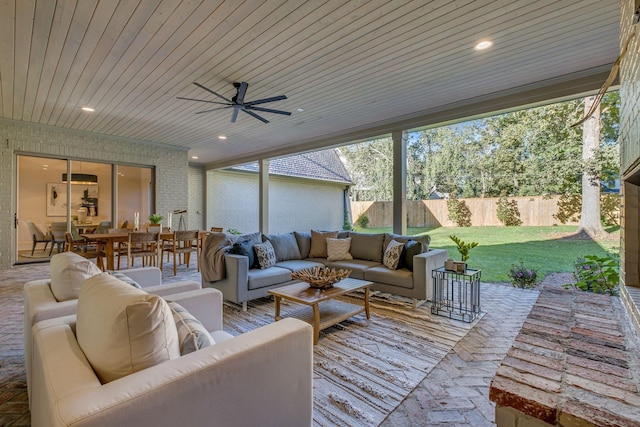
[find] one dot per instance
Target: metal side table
(456, 295)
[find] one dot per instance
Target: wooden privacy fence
(534, 211)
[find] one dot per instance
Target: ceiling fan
(238, 104)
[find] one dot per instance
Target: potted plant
(464, 249)
(155, 221)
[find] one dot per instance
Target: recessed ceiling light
(222, 137)
(484, 44)
(300, 110)
(89, 109)
(194, 157)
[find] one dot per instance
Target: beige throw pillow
(121, 329)
(338, 249)
(319, 243)
(68, 271)
(391, 257)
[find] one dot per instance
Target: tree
(590, 221)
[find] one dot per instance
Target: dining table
(110, 239)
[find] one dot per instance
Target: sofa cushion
(294, 265)
(393, 255)
(285, 246)
(319, 243)
(126, 279)
(265, 254)
(424, 239)
(304, 242)
(380, 274)
(245, 248)
(411, 249)
(121, 329)
(254, 237)
(68, 271)
(338, 249)
(367, 246)
(357, 266)
(192, 335)
(268, 277)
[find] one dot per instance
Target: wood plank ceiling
(354, 67)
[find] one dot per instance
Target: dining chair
(145, 245)
(58, 239)
(38, 236)
(81, 249)
(120, 248)
(183, 243)
(102, 227)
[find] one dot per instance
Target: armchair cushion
(121, 329)
(192, 335)
(126, 279)
(68, 271)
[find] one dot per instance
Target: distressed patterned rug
(363, 369)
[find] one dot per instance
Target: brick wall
(294, 204)
(24, 138)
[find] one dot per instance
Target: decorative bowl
(321, 278)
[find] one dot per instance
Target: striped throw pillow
(192, 335)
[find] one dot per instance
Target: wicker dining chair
(183, 243)
(145, 245)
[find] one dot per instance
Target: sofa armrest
(263, 377)
(235, 285)
(424, 264)
(173, 288)
(204, 304)
(144, 276)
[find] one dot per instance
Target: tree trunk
(590, 222)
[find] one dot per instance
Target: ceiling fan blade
(234, 116)
(264, 101)
(262, 119)
(242, 91)
(201, 100)
(210, 91)
(213, 109)
(269, 110)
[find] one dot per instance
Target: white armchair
(260, 378)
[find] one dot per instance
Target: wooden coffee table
(332, 312)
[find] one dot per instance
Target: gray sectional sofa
(241, 282)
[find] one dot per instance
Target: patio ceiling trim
(544, 92)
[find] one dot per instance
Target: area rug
(363, 369)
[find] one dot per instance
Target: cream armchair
(260, 378)
(41, 301)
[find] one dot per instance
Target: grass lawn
(547, 249)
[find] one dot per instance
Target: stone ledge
(574, 363)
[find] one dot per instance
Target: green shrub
(459, 212)
(523, 277)
(362, 221)
(508, 212)
(596, 274)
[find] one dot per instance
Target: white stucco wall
(294, 204)
(171, 166)
(195, 210)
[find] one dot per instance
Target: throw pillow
(319, 243)
(411, 249)
(391, 257)
(266, 255)
(285, 246)
(304, 243)
(192, 335)
(244, 248)
(338, 249)
(126, 279)
(424, 239)
(367, 246)
(68, 271)
(121, 329)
